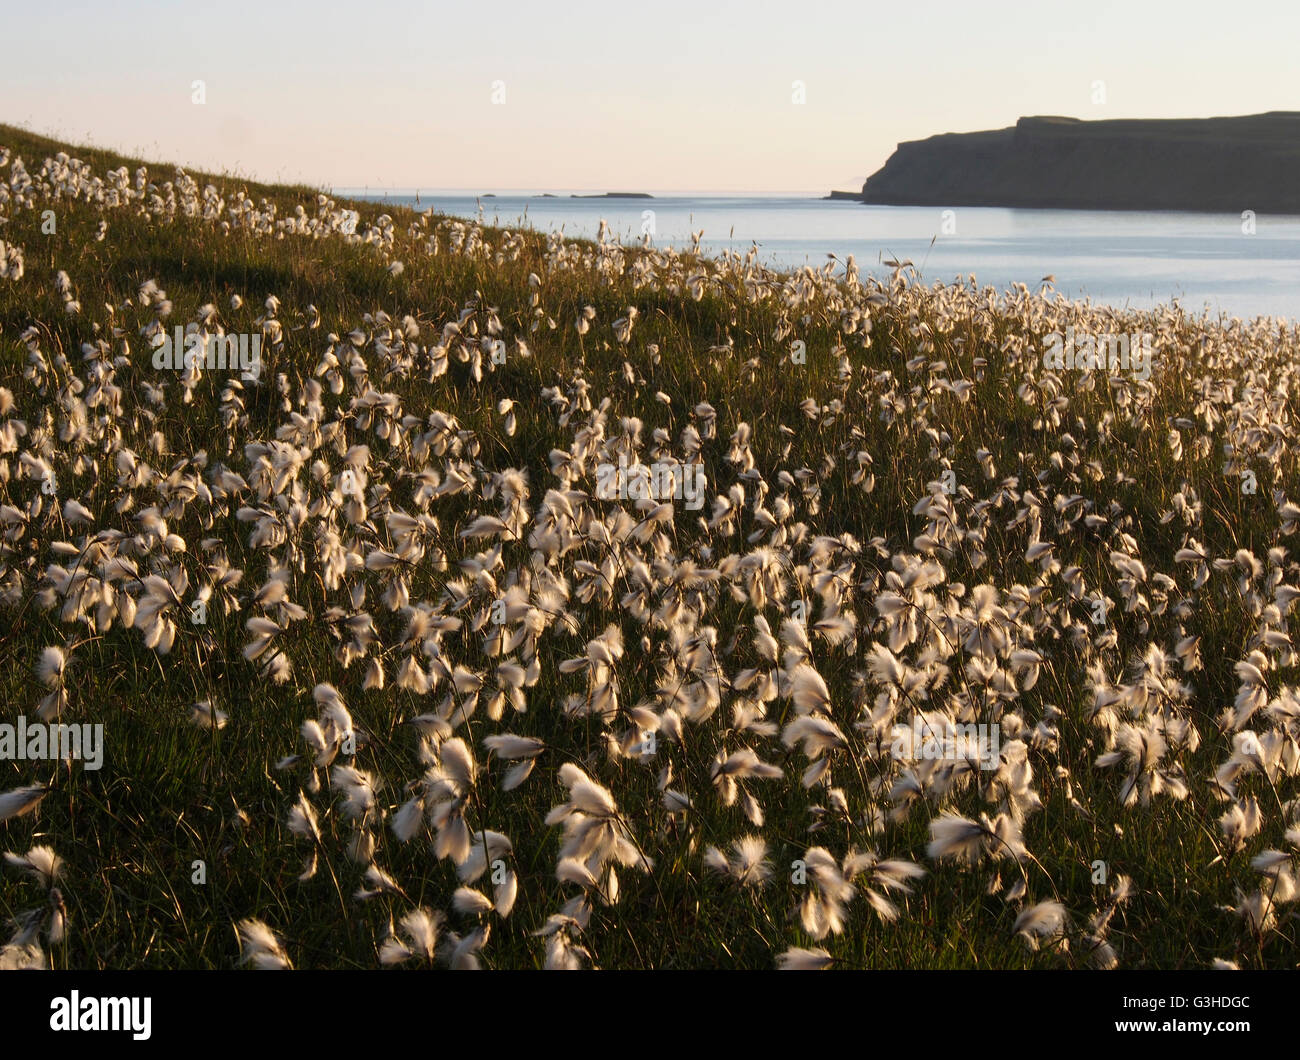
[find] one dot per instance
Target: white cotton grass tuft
(50, 667)
(19, 801)
(1044, 921)
(465, 950)
(505, 893)
(798, 959)
(205, 716)
(747, 864)
(571, 870)
(487, 848)
(39, 862)
(824, 908)
(409, 819)
(509, 746)
(261, 948)
(332, 707)
(469, 902)
(302, 819)
(379, 882)
(358, 789)
(596, 835)
(23, 956)
(518, 773)
(458, 763)
(417, 939)
(956, 837)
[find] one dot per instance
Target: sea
(1225, 264)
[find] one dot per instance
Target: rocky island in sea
(1203, 164)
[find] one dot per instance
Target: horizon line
(408, 190)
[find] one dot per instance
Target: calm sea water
(1118, 258)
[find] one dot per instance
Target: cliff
(1211, 164)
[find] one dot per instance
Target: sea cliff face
(1209, 164)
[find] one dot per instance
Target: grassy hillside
(385, 677)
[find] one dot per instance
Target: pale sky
(671, 95)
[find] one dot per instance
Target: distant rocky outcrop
(1205, 164)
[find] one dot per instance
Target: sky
(601, 95)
